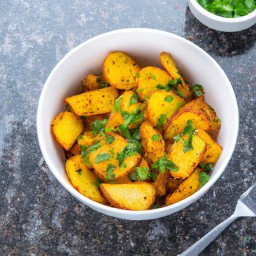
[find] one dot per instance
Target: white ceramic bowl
(220, 23)
(144, 45)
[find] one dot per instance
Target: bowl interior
(144, 45)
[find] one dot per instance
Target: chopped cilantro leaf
(198, 89)
(134, 98)
(79, 137)
(142, 172)
(163, 164)
(102, 157)
(161, 121)
(101, 83)
(98, 126)
(68, 108)
(161, 87)
(109, 172)
(156, 137)
(206, 167)
(88, 150)
(137, 74)
(174, 84)
(98, 182)
(136, 134)
(109, 139)
(153, 175)
(203, 178)
(117, 105)
(168, 99)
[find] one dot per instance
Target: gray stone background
(37, 216)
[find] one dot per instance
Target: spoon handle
(201, 244)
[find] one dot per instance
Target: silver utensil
(246, 207)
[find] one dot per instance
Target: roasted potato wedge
(93, 102)
(163, 103)
(187, 188)
(161, 184)
(91, 82)
(83, 180)
(152, 142)
(105, 159)
(86, 139)
(213, 149)
(150, 78)
(137, 196)
(169, 65)
(186, 161)
(190, 111)
(120, 71)
(66, 127)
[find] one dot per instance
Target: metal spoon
(246, 207)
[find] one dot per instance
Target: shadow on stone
(216, 42)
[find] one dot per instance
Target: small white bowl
(144, 45)
(220, 23)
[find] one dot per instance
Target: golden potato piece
(213, 149)
(83, 180)
(86, 139)
(137, 196)
(187, 188)
(93, 102)
(105, 159)
(75, 150)
(186, 161)
(163, 103)
(152, 142)
(120, 71)
(66, 127)
(161, 184)
(91, 82)
(150, 78)
(169, 65)
(190, 111)
(123, 180)
(90, 119)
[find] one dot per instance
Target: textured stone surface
(37, 216)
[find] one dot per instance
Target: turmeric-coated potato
(186, 161)
(137, 196)
(190, 111)
(91, 82)
(106, 159)
(66, 127)
(163, 103)
(187, 188)
(151, 79)
(169, 65)
(121, 71)
(172, 184)
(86, 139)
(93, 102)
(213, 149)
(161, 184)
(83, 180)
(152, 142)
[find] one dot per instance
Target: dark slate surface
(37, 216)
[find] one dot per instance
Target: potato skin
(187, 188)
(137, 196)
(158, 105)
(113, 149)
(169, 65)
(150, 77)
(188, 161)
(66, 127)
(95, 102)
(83, 179)
(120, 71)
(154, 150)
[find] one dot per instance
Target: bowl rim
(220, 18)
(147, 214)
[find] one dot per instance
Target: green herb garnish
(197, 89)
(102, 157)
(109, 139)
(163, 164)
(229, 8)
(189, 130)
(98, 126)
(87, 150)
(137, 74)
(203, 178)
(109, 172)
(117, 105)
(161, 87)
(168, 99)
(79, 137)
(98, 182)
(174, 84)
(134, 98)
(136, 134)
(206, 167)
(102, 84)
(161, 121)
(79, 171)
(156, 137)
(68, 108)
(142, 172)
